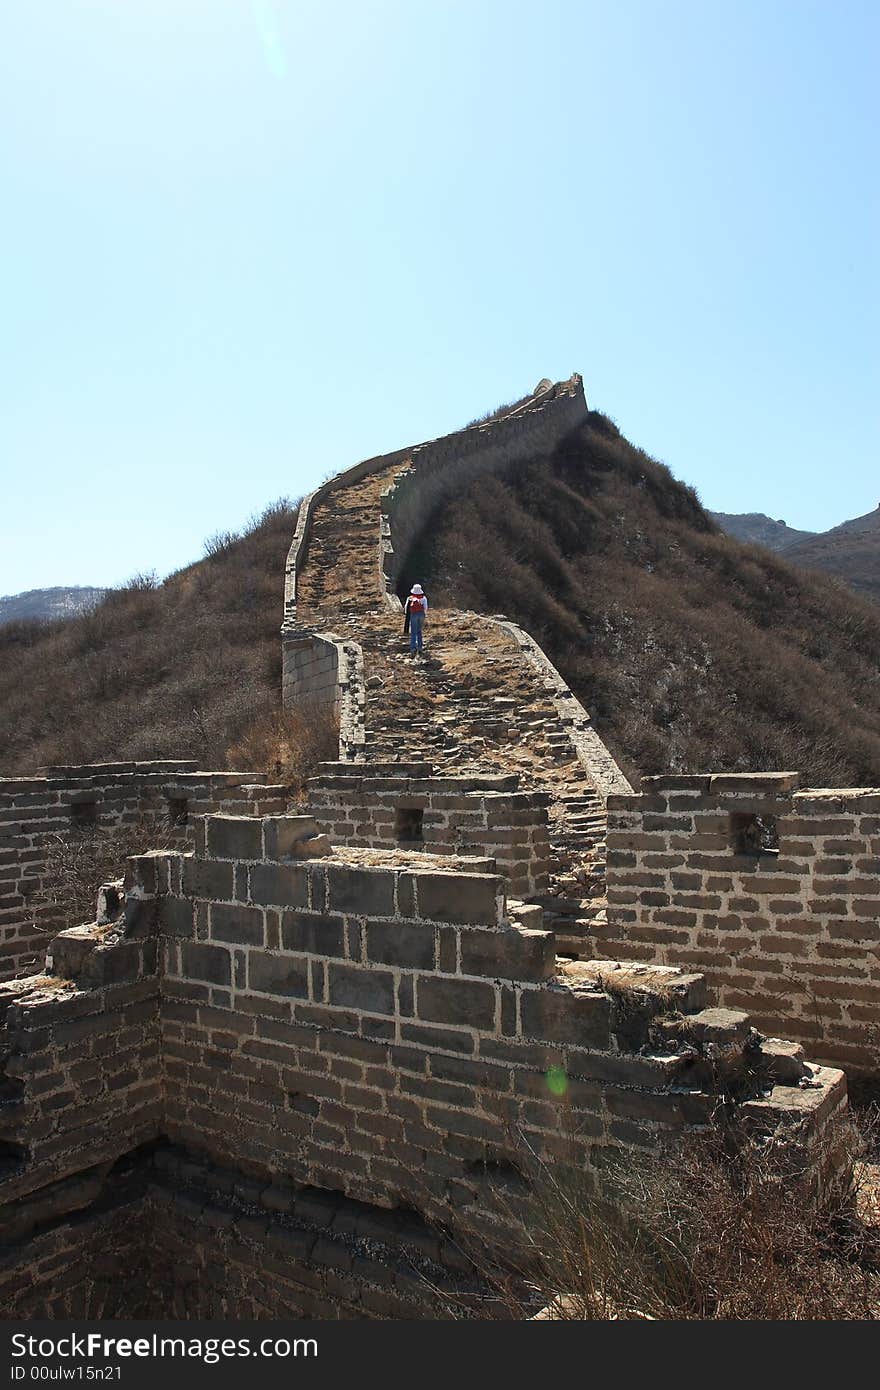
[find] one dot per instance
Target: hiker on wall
(414, 611)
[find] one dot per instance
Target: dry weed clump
(77, 863)
(725, 1225)
(289, 744)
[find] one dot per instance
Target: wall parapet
(591, 752)
(772, 890)
(62, 802)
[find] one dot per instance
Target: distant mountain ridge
(39, 604)
(850, 551)
(758, 529)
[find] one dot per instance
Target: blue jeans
(415, 631)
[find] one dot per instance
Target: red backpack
(417, 603)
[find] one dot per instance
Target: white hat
(417, 589)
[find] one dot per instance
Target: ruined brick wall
(387, 1031)
(70, 800)
(791, 934)
(160, 1235)
(381, 806)
(373, 1027)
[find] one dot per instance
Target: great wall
(296, 1057)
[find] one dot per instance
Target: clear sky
(248, 242)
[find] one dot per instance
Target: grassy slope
(183, 669)
(693, 651)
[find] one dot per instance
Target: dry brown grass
(693, 652)
(178, 669)
(289, 744)
(723, 1226)
(77, 864)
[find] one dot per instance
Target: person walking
(414, 610)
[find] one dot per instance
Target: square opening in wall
(408, 825)
(178, 810)
(83, 814)
(753, 834)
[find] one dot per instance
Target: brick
(211, 963)
(457, 1001)
(234, 837)
(278, 974)
(206, 879)
(243, 926)
(362, 892)
(512, 955)
(466, 899)
(314, 932)
(402, 944)
(371, 991)
(560, 1015)
(281, 885)
(176, 917)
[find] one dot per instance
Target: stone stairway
(474, 703)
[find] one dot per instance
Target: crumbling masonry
(298, 1056)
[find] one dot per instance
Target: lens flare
(557, 1081)
(266, 20)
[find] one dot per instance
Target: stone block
(566, 1016)
(402, 944)
(466, 899)
(511, 955)
(205, 878)
(362, 892)
(278, 974)
(243, 926)
(370, 991)
(785, 1061)
(314, 932)
(204, 962)
(281, 885)
(176, 917)
(234, 837)
(456, 1001)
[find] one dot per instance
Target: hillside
(186, 668)
(851, 552)
(692, 651)
(757, 529)
(48, 604)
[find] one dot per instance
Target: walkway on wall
(476, 703)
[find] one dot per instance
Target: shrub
(692, 651)
(724, 1225)
(77, 863)
(181, 669)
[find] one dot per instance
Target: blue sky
(247, 242)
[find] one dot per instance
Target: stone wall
(446, 466)
(593, 755)
(323, 673)
(380, 1028)
(34, 811)
(788, 929)
(395, 805)
(161, 1236)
